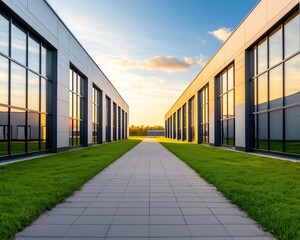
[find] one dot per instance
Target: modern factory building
(53, 96)
(247, 97)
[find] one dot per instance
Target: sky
(151, 50)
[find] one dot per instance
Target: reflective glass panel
(231, 132)
(18, 86)
(70, 132)
(74, 105)
(4, 33)
(18, 44)
(292, 80)
(262, 92)
(224, 106)
(291, 36)
(45, 96)
(275, 47)
(3, 131)
(275, 87)
(3, 80)
(33, 91)
(18, 131)
(43, 131)
(33, 55)
(230, 104)
(230, 78)
(276, 119)
(46, 63)
(262, 56)
(263, 131)
(292, 130)
(224, 132)
(224, 82)
(33, 131)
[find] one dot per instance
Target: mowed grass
(267, 189)
(29, 188)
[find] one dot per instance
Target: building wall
(44, 22)
(257, 23)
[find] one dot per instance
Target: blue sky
(151, 50)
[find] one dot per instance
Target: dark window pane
(231, 132)
(4, 33)
(262, 56)
(263, 131)
(224, 132)
(291, 36)
(276, 87)
(33, 91)
(3, 80)
(292, 80)
(292, 130)
(18, 131)
(224, 106)
(33, 131)
(18, 44)
(276, 119)
(18, 86)
(46, 66)
(45, 95)
(33, 55)
(70, 132)
(262, 92)
(4, 131)
(275, 47)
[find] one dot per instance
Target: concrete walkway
(146, 194)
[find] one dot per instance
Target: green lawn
(29, 188)
(267, 189)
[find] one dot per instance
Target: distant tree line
(142, 130)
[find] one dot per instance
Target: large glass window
(76, 108)
(276, 90)
(204, 117)
(108, 119)
(226, 105)
(119, 123)
(179, 124)
(174, 125)
(192, 119)
(114, 121)
(184, 116)
(24, 91)
(123, 124)
(97, 115)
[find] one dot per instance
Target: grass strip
(29, 188)
(267, 189)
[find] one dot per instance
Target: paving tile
(169, 231)
(227, 211)
(87, 231)
(244, 231)
(129, 219)
(201, 219)
(59, 219)
(128, 231)
(100, 211)
(234, 220)
(66, 211)
(196, 211)
(85, 220)
(132, 211)
(208, 231)
(45, 231)
(169, 220)
(165, 211)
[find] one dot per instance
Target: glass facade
(174, 125)
(97, 115)
(76, 108)
(114, 121)
(184, 116)
(204, 116)
(226, 106)
(25, 90)
(108, 119)
(276, 89)
(192, 119)
(123, 125)
(179, 124)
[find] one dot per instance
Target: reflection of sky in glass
(262, 92)
(292, 76)
(275, 47)
(44, 62)
(291, 36)
(18, 43)
(275, 86)
(33, 91)
(44, 95)
(33, 55)
(3, 80)
(4, 24)
(230, 78)
(230, 104)
(262, 56)
(18, 86)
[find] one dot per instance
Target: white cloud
(165, 63)
(222, 33)
(202, 60)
